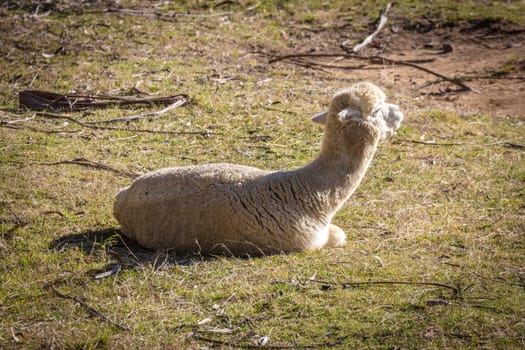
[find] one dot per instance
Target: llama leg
(336, 237)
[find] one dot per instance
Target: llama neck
(339, 168)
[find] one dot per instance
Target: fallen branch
(432, 143)
(456, 290)
(489, 77)
(82, 162)
(161, 15)
(18, 121)
(89, 309)
(318, 65)
(382, 23)
(30, 128)
(336, 342)
(375, 59)
(91, 125)
(142, 115)
(45, 100)
(469, 78)
(147, 131)
(378, 60)
(50, 212)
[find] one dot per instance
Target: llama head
(363, 102)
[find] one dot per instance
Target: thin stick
(469, 78)
(379, 60)
(83, 162)
(164, 16)
(16, 121)
(148, 131)
(89, 309)
(90, 126)
(250, 346)
(342, 55)
(158, 15)
(490, 77)
(30, 128)
(431, 143)
(141, 115)
(45, 100)
(351, 284)
(382, 23)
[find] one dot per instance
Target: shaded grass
(447, 214)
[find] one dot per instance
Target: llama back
(180, 199)
(210, 210)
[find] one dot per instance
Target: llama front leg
(336, 237)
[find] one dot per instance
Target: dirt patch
(491, 61)
(487, 55)
(491, 64)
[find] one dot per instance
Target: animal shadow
(125, 253)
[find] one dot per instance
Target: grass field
(436, 231)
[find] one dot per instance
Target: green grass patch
(447, 208)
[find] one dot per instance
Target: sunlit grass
(449, 212)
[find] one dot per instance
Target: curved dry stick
(456, 290)
(343, 55)
(82, 162)
(507, 143)
(46, 100)
(91, 126)
(382, 23)
(142, 115)
(380, 60)
(336, 342)
(91, 310)
(434, 284)
(160, 15)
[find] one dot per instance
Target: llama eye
(350, 113)
(380, 111)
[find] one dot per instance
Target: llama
(244, 211)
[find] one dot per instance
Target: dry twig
(8, 125)
(45, 100)
(83, 162)
(30, 128)
(507, 143)
(336, 342)
(456, 290)
(32, 99)
(142, 115)
(161, 15)
(377, 60)
(89, 309)
(382, 23)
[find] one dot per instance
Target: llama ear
(388, 118)
(350, 113)
(320, 118)
(394, 117)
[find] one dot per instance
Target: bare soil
(489, 58)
